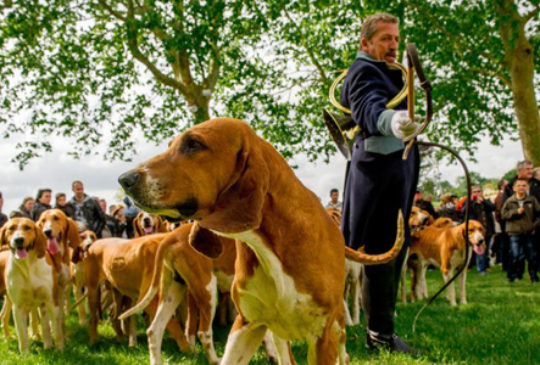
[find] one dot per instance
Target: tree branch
(116, 14)
(533, 13)
(460, 45)
(309, 51)
(133, 46)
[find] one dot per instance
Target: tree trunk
(525, 105)
(200, 108)
(519, 58)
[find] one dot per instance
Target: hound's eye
(26, 228)
(191, 145)
(55, 218)
(11, 228)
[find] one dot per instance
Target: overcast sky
(57, 170)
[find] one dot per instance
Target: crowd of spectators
(90, 212)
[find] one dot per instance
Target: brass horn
(342, 127)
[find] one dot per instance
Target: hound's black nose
(18, 241)
(48, 232)
(129, 179)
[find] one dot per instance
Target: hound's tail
(383, 258)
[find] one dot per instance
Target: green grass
(500, 325)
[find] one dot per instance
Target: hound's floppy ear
(161, 224)
(77, 255)
(3, 237)
(139, 232)
(239, 207)
(40, 243)
(73, 234)
(205, 241)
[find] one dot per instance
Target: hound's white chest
(269, 296)
(458, 258)
(29, 283)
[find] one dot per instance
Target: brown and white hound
(182, 274)
(444, 247)
(127, 265)
(62, 234)
(31, 281)
(290, 262)
(6, 305)
(77, 271)
(145, 223)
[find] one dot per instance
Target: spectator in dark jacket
(87, 209)
(43, 202)
(525, 170)
(482, 211)
(424, 204)
(521, 212)
(130, 212)
(501, 245)
(3, 217)
(63, 205)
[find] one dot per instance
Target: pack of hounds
(277, 275)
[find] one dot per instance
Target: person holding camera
(521, 214)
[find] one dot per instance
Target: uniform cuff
(384, 123)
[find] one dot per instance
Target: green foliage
(104, 72)
(510, 175)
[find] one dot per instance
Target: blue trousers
(376, 188)
(521, 247)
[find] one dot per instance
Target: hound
(62, 236)
(290, 272)
(145, 223)
(31, 281)
(445, 248)
(127, 265)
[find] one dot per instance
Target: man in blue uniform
(379, 183)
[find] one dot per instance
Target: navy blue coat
(378, 183)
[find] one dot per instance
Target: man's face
(78, 189)
(526, 172)
(477, 191)
(384, 43)
(1, 202)
(521, 187)
(334, 196)
(103, 205)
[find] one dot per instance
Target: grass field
(500, 325)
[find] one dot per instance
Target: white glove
(402, 126)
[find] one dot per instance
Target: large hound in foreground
(290, 270)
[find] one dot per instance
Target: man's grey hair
(522, 164)
(369, 26)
